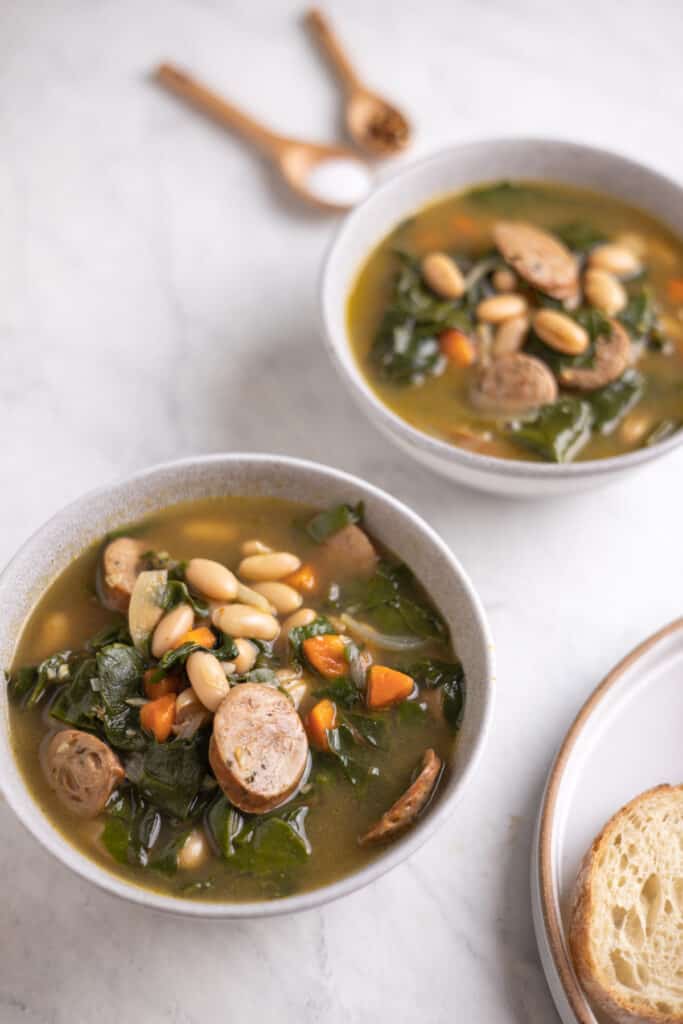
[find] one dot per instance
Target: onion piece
(384, 641)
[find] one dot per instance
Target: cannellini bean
(208, 678)
(615, 259)
(604, 291)
(272, 566)
(241, 620)
(254, 547)
(304, 617)
(510, 336)
(246, 659)
(443, 275)
(171, 627)
(194, 851)
(212, 579)
(284, 599)
(501, 307)
(245, 595)
(635, 428)
(560, 332)
(504, 280)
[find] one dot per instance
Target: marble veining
(158, 298)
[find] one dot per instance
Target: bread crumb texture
(626, 933)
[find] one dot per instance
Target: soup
(526, 321)
(235, 699)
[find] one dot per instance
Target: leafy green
(77, 703)
(177, 656)
(29, 684)
(392, 603)
(503, 194)
(343, 692)
(350, 746)
(170, 775)
(579, 236)
(329, 522)
(119, 674)
(177, 592)
(453, 701)
(371, 729)
(431, 673)
(611, 403)
(114, 633)
(557, 431)
(639, 316)
(135, 832)
(411, 712)
(269, 845)
(319, 627)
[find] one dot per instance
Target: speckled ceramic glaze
(428, 180)
(51, 549)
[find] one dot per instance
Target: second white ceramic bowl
(433, 178)
(87, 520)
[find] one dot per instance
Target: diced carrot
(675, 289)
(387, 686)
(327, 655)
(318, 720)
(428, 240)
(466, 225)
(457, 347)
(157, 716)
(169, 684)
(203, 636)
(303, 579)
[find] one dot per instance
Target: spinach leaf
(432, 673)
(136, 833)
(318, 627)
(262, 846)
(611, 403)
(392, 603)
(119, 674)
(177, 592)
(332, 520)
(78, 704)
(343, 745)
(579, 236)
(557, 431)
(639, 316)
(170, 775)
(370, 728)
(342, 691)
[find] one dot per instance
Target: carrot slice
(457, 347)
(203, 636)
(169, 684)
(327, 655)
(320, 718)
(158, 716)
(675, 289)
(303, 579)
(387, 686)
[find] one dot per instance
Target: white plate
(625, 739)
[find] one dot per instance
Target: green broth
(462, 225)
(69, 613)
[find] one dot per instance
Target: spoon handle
(323, 32)
(209, 102)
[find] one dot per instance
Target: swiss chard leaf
(611, 403)
(119, 675)
(557, 431)
(391, 602)
(343, 745)
(170, 775)
(639, 316)
(136, 833)
(431, 673)
(78, 703)
(332, 520)
(271, 845)
(28, 685)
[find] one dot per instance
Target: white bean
(194, 851)
(241, 620)
(560, 332)
(255, 547)
(615, 259)
(510, 336)
(304, 617)
(272, 566)
(211, 579)
(171, 627)
(245, 595)
(246, 659)
(283, 598)
(604, 291)
(443, 275)
(501, 307)
(208, 678)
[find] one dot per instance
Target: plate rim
(553, 932)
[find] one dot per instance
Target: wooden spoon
(294, 159)
(373, 123)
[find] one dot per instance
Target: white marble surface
(157, 298)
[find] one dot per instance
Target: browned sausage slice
(347, 553)
(406, 809)
(82, 770)
(538, 257)
(259, 748)
(514, 384)
(120, 568)
(612, 356)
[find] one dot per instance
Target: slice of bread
(626, 931)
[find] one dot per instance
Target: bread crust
(612, 1003)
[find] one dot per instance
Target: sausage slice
(258, 749)
(348, 552)
(514, 384)
(406, 809)
(537, 256)
(612, 356)
(82, 770)
(121, 564)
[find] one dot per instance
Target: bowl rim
(336, 337)
(71, 856)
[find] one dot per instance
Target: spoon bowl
(375, 125)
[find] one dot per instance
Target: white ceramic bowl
(85, 521)
(433, 178)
